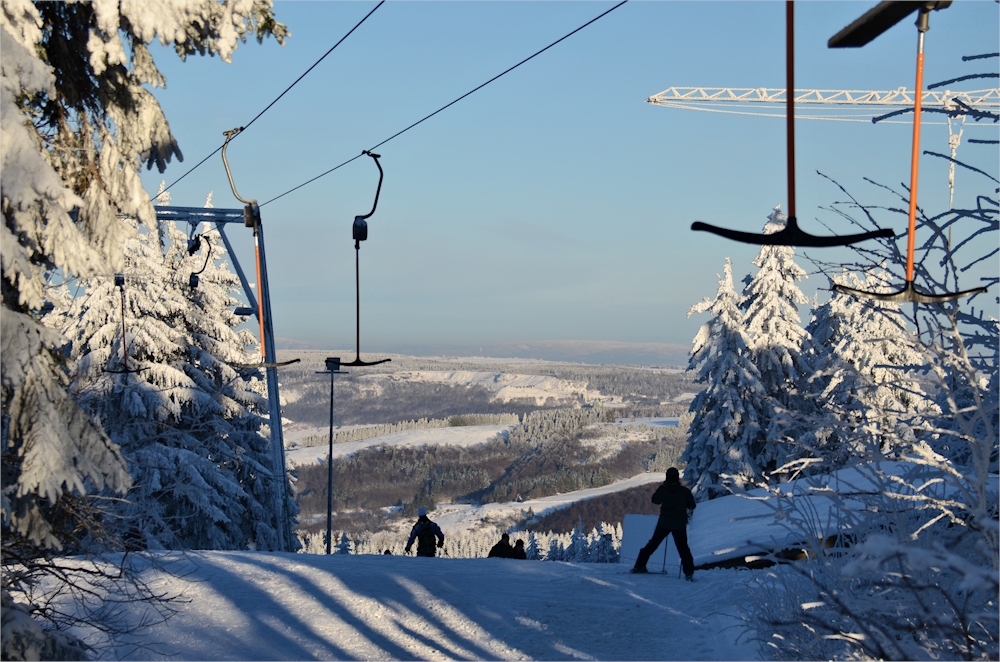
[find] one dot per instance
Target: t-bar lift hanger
(860, 32)
(791, 234)
(120, 284)
(360, 233)
(251, 219)
(194, 244)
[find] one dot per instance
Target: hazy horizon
(576, 351)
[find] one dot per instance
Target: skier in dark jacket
(676, 506)
(425, 532)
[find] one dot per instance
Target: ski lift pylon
(909, 293)
(791, 234)
(359, 232)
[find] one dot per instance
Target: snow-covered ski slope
(270, 606)
(257, 606)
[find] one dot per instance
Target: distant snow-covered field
(465, 436)
(504, 386)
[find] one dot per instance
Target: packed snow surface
(257, 606)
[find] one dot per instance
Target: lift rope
(791, 234)
(278, 98)
(449, 104)
(360, 233)
(909, 293)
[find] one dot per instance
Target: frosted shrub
(912, 570)
(910, 575)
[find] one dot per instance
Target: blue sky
(554, 204)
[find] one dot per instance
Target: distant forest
(546, 454)
(609, 508)
(643, 390)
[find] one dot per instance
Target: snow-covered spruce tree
(531, 550)
(726, 435)
(556, 551)
(579, 549)
(187, 422)
(770, 304)
(865, 362)
(77, 122)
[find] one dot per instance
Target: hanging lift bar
(120, 284)
(360, 233)
(791, 234)
(860, 32)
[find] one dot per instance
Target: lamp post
(332, 368)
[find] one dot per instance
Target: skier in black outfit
(425, 532)
(676, 506)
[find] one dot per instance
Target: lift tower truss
(817, 104)
(262, 311)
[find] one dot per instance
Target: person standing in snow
(519, 551)
(425, 532)
(502, 550)
(676, 506)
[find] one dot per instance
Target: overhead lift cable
(448, 105)
(278, 98)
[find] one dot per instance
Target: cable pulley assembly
(359, 232)
(791, 234)
(859, 33)
(251, 219)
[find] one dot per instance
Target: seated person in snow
(502, 550)
(519, 552)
